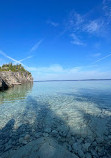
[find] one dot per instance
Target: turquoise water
(79, 110)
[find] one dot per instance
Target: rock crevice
(9, 79)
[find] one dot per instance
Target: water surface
(70, 112)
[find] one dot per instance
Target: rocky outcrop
(0, 82)
(9, 78)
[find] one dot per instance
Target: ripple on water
(70, 112)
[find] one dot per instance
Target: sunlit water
(70, 110)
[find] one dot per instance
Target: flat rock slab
(40, 148)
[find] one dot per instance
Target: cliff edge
(9, 78)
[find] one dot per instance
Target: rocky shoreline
(9, 79)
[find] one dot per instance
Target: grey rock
(99, 140)
(86, 146)
(45, 134)
(62, 139)
(81, 153)
(27, 137)
(52, 152)
(94, 143)
(21, 140)
(48, 130)
(8, 147)
(9, 78)
(88, 155)
(69, 147)
(93, 152)
(79, 141)
(71, 142)
(39, 134)
(40, 148)
(63, 130)
(77, 149)
(65, 145)
(0, 82)
(54, 133)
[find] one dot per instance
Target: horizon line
(70, 80)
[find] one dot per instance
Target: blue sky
(57, 39)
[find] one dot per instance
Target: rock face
(9, 78)
(0, 82)
(40, 148)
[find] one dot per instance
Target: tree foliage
(13, 68)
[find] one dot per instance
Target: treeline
(13, 68)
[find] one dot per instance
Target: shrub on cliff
(13, 68)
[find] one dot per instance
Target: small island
(11, 75)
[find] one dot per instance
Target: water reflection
(15, 93)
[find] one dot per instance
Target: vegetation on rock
(13, 68)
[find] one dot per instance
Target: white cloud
(26, 58)
(92, 27)
(96, 54)
(75, 40)
(12, 59)
(5, 55)
(36, 46)
(23, 59)
(102, 58)
(78, 23)
(107, 9)
(57, 72)
(75, 20)
(55, 24)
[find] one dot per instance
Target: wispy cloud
(23, 59)
(26, 58)
(76, 41)
(75, 21)
(92, 26)
(107, 10)
(58, 72)
(81, 24)
(55, 24)
(96, 54)
(12, 59)
(36, 46)
(102, 58)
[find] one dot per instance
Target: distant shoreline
(74, 80)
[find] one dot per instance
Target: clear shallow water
(70, 112)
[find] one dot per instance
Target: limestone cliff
(9, 78)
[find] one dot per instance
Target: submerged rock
(86, 146)
(27, 137)
(40, 148)
(54, 133)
